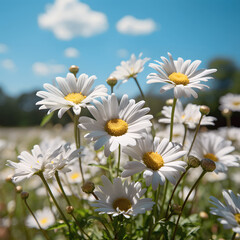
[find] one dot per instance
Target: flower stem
(140, 89)
(172, 119)
(175, 188)
(119, 158)
(164, 197)
(77, 136)
(30, 210)
(54, 199)
(233, 236)
(195, 135)
(185, 134)
(185, 201)
(61, 187)
(111, 89)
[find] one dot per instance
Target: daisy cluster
(132, 156)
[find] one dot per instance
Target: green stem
(175, 188)
(185, 134)
(172, 118)
(78, 143)
(228, 118)
(164, 197)
(119, 158)
(62, 189)
(195, 135)
(140, 89)
(185, 201)
(40, 174)
(44, 233)
(111, 89)
(233, 236)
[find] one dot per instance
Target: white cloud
(133, 26)
(44, 69)
(8, 64)
(3, 48)
(70, 18)
(122, 53)
(71, 52)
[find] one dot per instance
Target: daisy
(121, 198)
(157, 160)
(180, 75)
(115, 124)
(30, 164)
(230, 213)
(45, 218)
(72, 93)
(230, 101)
(190, 115)
(130, 68)
(216, 148)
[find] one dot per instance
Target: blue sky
(32, 47)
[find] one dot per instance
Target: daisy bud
(193, 162)
(24, 195)
(204, 110)
(111, 81)
(226, 112)
(74, 69)
(208, 165)
(203, 215)
(69, 209)
(88, 187)
(18, 189)
(8, 178)
(175, 209)
(169, 102)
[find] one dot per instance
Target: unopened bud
(111, 81)
(193, 162)
(169, 102)
(208, 165)
(203, 215)
(88, 187)
(18, 189)
(69, 209)
(226, 112)
(175, 209)
(24, 195)
(8, 178)
(204, 110)
(74, 69)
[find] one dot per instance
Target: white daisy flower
(72, 93)
(230, 101)
(121, 198)
(45, 218)
(230, 213)
(130, 68)
(190, 115)
(180, 75)
(30, 164)
(156, 159)
(115, 124)
(216, 148)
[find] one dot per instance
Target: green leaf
(46, 119)
(57, 226)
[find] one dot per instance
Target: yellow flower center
(75, 176)
(75, 97)
(116, 127)
(236, 103)
(43, 220)
(179, 78)
(153, 160)
(211, 156)
(122, 203)
(237, 217)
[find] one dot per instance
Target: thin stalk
(78, 143)
(44, 233)
(111, 89)
(119, 158)
(195, 135)
(185, 134)
(61, 187)
(140, 89)
(185, 201)
(228, 118)
(70, 115)
(175, 188)
(164, 197)
(233, 236)
(54, 199)
(172, 119)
